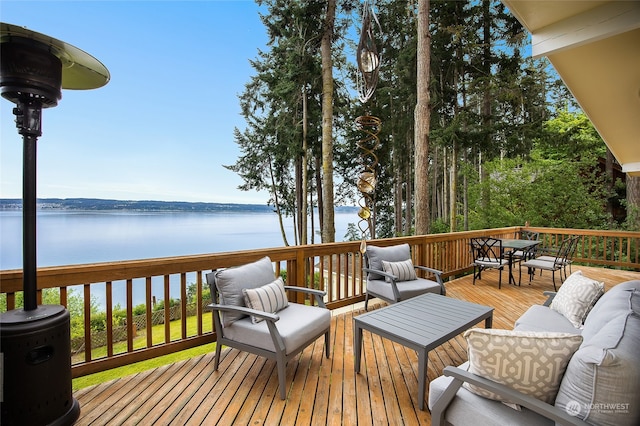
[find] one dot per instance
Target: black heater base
(36, 365)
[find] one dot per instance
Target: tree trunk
(454, 188)
(397, 191)
(633, 203)
(297, 214)
(610, 185)
(305, 171)
(276, 202)
(328, 228)
(465, 194)
(408, 219)
(486, 99)
(318, 168)
(422, 117)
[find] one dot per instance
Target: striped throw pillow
(403, 270)
(268, 298)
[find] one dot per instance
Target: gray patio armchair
(391, 275)
(252, 313)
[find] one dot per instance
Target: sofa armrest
(317, 294)
(550, 295)
(460, 376)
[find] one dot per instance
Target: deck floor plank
(244, 390)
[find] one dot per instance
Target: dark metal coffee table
(421, 323)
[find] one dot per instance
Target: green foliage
(495, 108)
(541, 192)
(353, 233)
(192, 292)
(159, 305)
(570, 136)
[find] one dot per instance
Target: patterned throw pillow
(268, 298)
(530, 362)
(404, 270)
(576, 297)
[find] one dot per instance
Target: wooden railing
(334, 267)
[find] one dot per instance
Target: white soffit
(595, 48)
(604, 21)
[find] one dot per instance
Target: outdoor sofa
(595, 349)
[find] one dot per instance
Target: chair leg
(366, 301)
(327, 343)
(216, 359)
(520, 276)
(553, 277)
(500, 279)
(282, 375)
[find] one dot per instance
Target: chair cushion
(297, 324)
(530, 362)
(231, 281)
(576, 297)
(602, 381)
(268, 298)
(404, 270)
(407, 289)
(542, 318)
(375, 256)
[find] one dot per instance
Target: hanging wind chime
(369, 66)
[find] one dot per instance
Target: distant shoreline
(96, 204)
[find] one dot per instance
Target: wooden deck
(321, 391)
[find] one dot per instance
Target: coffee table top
(425, 321)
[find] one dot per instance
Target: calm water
(66, 238)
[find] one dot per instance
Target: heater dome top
(80, 70)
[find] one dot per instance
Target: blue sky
(162, 128)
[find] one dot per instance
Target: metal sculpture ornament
(367, 178)
(369, 66)
(367, 54)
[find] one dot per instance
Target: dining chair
(519, 255)
(487, 254)
(553, 263)
(568, 259)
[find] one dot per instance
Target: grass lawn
(139, 342)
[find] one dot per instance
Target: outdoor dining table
(522, 245)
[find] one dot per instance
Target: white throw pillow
(404, 270)
(530, 362)
(268, 298)
(576, 297)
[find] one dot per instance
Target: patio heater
(35, 342)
